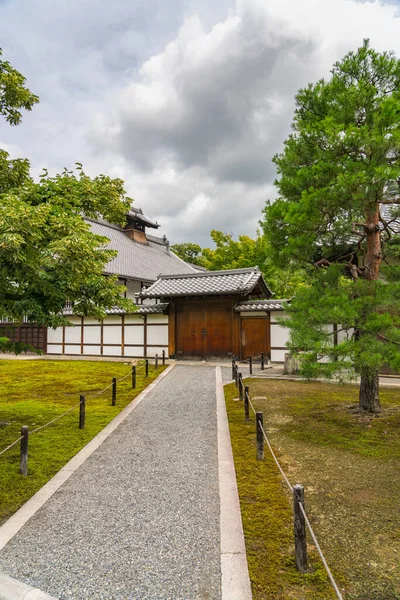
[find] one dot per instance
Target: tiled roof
(137, 213)
(260, 305)
(386, 212)
(209, 283)
(142, 309)
(152, 309)
(137, 261)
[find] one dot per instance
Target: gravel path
(140, 518)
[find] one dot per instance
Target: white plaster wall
(112, 351)
(137, 352)
(157, 318)
(56, 349)
(73, 335)
(70, 349)
(112, 319)
(157, 335)
(139, 319)
(112, 334)
(157, 350)
(92, 335)
(132, 288)
(74, 320)
(279, 337)
(342, 335)
(92, 350)
(134, 335)
(278, 356)
(55, 335)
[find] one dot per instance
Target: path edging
(235, 580)
(11, 589)
(11, 527)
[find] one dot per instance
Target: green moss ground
(34, 392)
(349, 464)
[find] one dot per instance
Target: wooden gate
(255, 336)
(27, 333)
(204, 329)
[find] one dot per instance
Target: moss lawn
(34, 392)
(349, 464)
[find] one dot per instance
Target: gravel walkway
(140, 518)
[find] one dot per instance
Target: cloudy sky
(186, 100)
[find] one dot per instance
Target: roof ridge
(104, 223)
(249, 270)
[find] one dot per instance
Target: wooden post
(163, 358)
(300, 543)
(246, 404)
(262, 361)
(133, 377)
(251, 365)
(82, 408)
(147, 367)
(260, 437)
(240, 386)
(114, 392)
(233, 368)
(236, 375)
(156, 361)
(23, 463)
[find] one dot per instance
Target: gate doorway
(204, 329)
(29, 334)
(255, 336)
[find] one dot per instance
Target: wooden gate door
(190, 324)
(29, 334)
(204, 329)
(255, 336)
(218, 339)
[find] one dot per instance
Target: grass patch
(34, 392)
(348, 464)
(267, 519)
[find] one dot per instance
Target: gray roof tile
(137, 261)
(261, 305)
(143, 309)
(209, 283)
(152, 309)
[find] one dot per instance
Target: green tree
(338, 203)
(48, 254)
(14, 96)
(241, 253)
(190, 253)
(248, 252)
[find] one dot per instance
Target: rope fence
(264, 359)
(300, 516)
(134, 373)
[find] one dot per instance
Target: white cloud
(188, 101)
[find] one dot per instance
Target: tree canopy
(239, 254)
(14, 95)
(191, 253)
(339, 195)
(48, 254)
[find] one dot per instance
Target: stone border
(234, 571)
(18, 519)
(11, 589)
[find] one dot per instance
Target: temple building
(182, 310)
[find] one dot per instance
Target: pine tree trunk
(369, 385)
(369, 391)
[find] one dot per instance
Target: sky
(186, 100)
